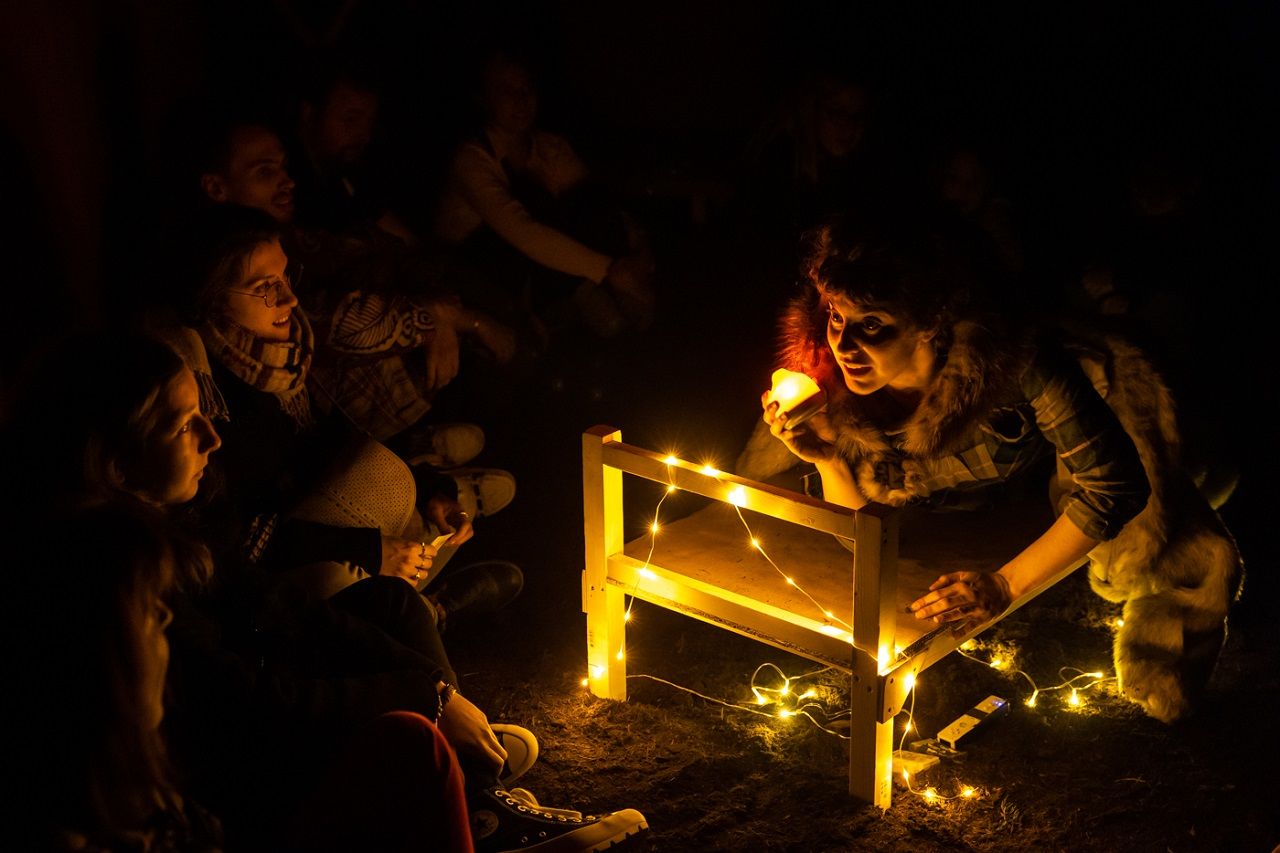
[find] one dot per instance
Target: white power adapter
(978, 715)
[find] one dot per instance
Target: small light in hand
(797, 395)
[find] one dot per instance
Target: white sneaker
(522, 752)
(484, 491)
(446, 445)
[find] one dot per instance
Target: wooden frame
(881, 673)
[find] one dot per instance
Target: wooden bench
(704, 566)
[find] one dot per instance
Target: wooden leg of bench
(870, 741)
(601, 601)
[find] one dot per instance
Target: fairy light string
(789, 699)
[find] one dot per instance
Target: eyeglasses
(271, 291)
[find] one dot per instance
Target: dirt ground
(709, 777)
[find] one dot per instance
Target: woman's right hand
(406, 558)
(467, 730)
(812, 441)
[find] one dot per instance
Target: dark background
(663, 99)
(1063, 94)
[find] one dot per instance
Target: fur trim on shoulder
(980, 368)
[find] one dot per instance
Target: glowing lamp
(797, 395)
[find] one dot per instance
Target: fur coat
(1170, 559)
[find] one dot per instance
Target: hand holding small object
(409, 559)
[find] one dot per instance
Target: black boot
(480, 589)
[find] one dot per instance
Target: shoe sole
(518, 740)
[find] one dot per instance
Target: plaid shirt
(1061, 411)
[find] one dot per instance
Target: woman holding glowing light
(931, 402)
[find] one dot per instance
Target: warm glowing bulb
(671, 489)
(967, 793)
(585, 682)
(828, 614)
(709, 471)
(930, 794)
(597, 670)
(1119, 623)
(906, 777)
(621, 655)
(626, 617)
(790, 387)
(809, 694)
(1093, 675)
(738, 496)
(653, 528)
(790, 581)
(909, 681)
(785, 714)
(755, 543)
(647, 573)
(1031, 703)
(760, 700)
(1075, 698)
(907, 727)
(996, 663)
(670, 460)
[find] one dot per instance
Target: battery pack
(970, 721)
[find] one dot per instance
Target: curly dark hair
(910, 268)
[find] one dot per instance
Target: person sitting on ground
(821, 152)
(84, 753)
(519, 204)
(307, 492)
(921, 382)
(392, 336)
(324, 712)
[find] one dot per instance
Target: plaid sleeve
(1111, 487)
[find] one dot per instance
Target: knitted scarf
(279, 368)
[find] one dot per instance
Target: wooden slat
(773, 501)
(810, 638)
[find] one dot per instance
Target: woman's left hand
(966, 598)
(408, 559)
(447, 515)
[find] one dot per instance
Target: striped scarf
(279, 368)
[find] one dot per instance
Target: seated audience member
(337, 117)
(83, 749)
(519, 205)
(305, 492)
(818, 155)
(306, 732)
(391, 337)
(966, 183)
